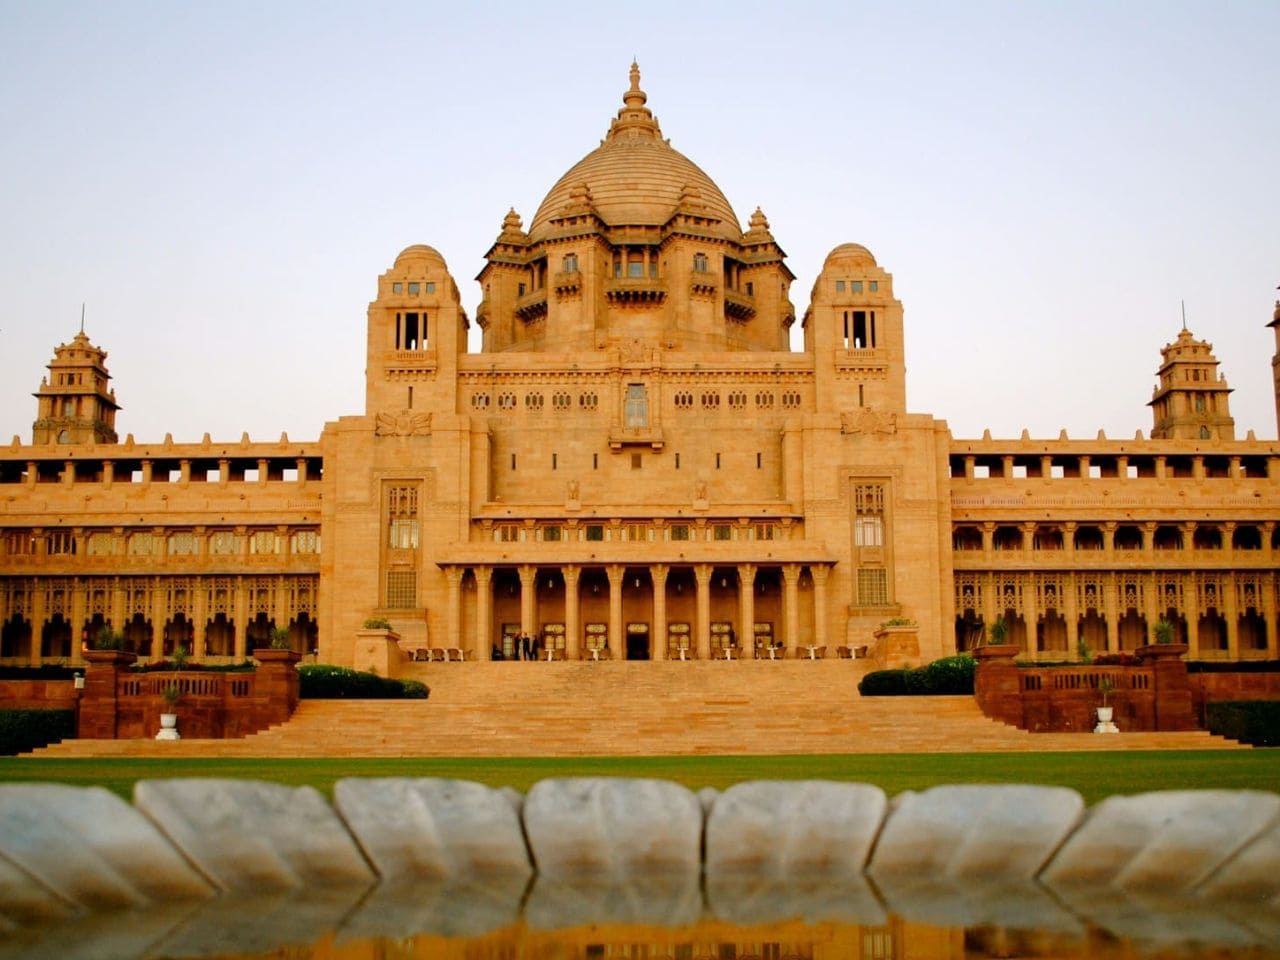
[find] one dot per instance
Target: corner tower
(1190, 401)
(74, 403)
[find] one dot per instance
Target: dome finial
(635, 98)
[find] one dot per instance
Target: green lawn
(1095, 775)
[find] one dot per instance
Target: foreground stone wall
(37, 695)
(200, 866)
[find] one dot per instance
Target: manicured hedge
(161, 666)
(46, 671)
(1249, 721)
(320, 681)
(948, 676)
(23, 730)
(1233, 666)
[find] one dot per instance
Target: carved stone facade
(637, 463)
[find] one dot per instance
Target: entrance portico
(662, 610)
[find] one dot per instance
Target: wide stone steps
(637, 709)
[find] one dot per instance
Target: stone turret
(1190, 401)
(74, 403)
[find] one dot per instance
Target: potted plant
(280, 639)
(998, 632)
(1164, 631)
(1106, 711)
(180, 656)
(172, 693)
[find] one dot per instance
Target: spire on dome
(635, 118)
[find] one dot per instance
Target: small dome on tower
(850, 253)
(418, 253)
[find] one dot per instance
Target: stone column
(1269, 611)
(747, 610)
(1154, 609)
(572, 617)
(242, 618)
(1231, 613)
(617, 639)
(117, 608)
(159, 616)
(658, 641)
(791, 607)
(1191, 611)
(453, 616)
(199, 616)
(1111, 605)
(484, 613)
(702, 628)
(77, 620)
(97, 714)
(528, 599)
(38, 613)
(1071, 610)
(1031, 614)
(820, 574)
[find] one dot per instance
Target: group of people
(523, 647)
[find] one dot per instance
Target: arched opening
(1251, 630)
(1246, 537)
(55, 637)
(1128, 537)
(970, 631)
(1168, 537)
(966, 538)
(1047, 538)
(178, 632)
(1179, 624)
(1051, 632)
(1133, 630)
(1207, 538)
(15, 637)
(304, 633)
(1007, 538)
(1092, 630)
(1213, 633)
(138, 635)
(1088, 538)
(258, 632)
(220, 636)
(94, 627)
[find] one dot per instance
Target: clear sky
(222, 183)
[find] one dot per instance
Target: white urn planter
(168, 727)
(1105, 724)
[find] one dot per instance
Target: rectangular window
(868, 509)
(856, 286)
(873, 587)
(722, 531)
(506, 533)
(19, 543)
(414, 288)
(551, 533)
(699, 263)
(839, 286)
(751, 289)
(224, 543)
(571, 263)
(181, 544)
(873, 285)
(397, 288)
(402, 589)
(636, 412)
(766, 531)
(402, 517)
(60, 543)
(594, 532)
(262, 542)
(305, 541)
(636, 461)
(102, 545)
(637, 532)
(679, 531)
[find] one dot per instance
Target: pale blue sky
(223, 183)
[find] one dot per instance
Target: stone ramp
(637, 709)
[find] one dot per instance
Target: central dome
(635, 177)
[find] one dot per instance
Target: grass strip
(1095, 775)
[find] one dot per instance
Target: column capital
(747, 571)
(658, 573)
(482, 574)
(615, 573)
(571, 573)
(452, 574)
(527, 572)
(702, 573)
(819, 571)
(791, 573)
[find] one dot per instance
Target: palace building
(637, 463)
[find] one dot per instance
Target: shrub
(107, 640)
(377, 623)
(1116, 660)
(280, 639)
(1250, 721)
(23, 730)
(320, 681)
(1243, 666)
(951, 675)
(160, 666)
(884, 683)
(46, 671)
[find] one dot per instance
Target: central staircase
(636, 709)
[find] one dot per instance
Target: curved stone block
(597, 826)
(1169, 841)
(982, 832)
(1253, 874)
(774, 828)
(433, 829)
(25, 900)
(248, 836)
(91, 848)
